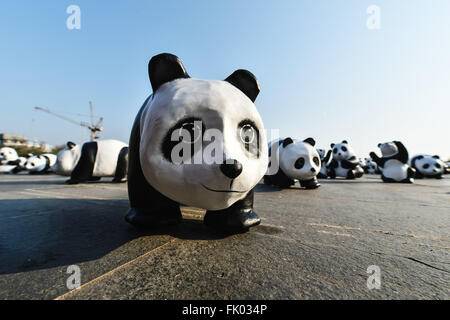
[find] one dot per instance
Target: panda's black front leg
(310, 184)
(237, 218)
(149, 208)
(85, 166)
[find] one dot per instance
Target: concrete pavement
(312, 244)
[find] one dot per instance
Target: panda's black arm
(333, 164)
(376, 159)
(402, 152)
(349, 163)
(13, 162)
(327, 158)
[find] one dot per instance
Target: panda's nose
(231, 168)
(339, 153)
(313, 170)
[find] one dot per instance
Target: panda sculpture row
(10, 162)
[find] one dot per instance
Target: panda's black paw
(72, 181)
(232, 221)
(322, 176)
(147, 218)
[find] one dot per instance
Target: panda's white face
(67, 159)
(8, 154)
(342, 151)
(35, 163)
(388, 149)
(184, 103)
(371, 165)
(299, 160)
(429, 165)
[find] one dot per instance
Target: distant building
(12, 140)
(15, 140)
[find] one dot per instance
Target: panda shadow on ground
(71, 231)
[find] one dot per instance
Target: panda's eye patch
(344, 149)
(249, 136)
(316, 161)
(186, 130)
(299, 163)
(335, 150)
(426, 166)
(438, 165)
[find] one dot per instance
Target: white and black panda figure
(93, 160)
(292, 160)
(20, 165)
(158, 182)
(324, 160)
(40, 164)
(8, 159)
(344, 163)
(427, 166)
(370, 166)
(394, 163)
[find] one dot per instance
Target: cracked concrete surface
(312, 244)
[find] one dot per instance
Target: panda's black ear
(246, 82)
(163, 68)
(379, 145)
(311, 141)
(344, 141)
(287, 142)
(70, 144)
(436, 157)
(332, 145)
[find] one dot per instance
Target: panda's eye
(426, 166)
(32, 164)
(438, 165)
(335, 150)
(316, 161)
(249, 136)
(299, 163)
(344, 149)
(186, 131)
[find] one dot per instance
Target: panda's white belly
(6, 168)
(107, 155)
(341, 172)
(396, 170)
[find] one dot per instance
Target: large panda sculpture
(324, 161)
(158, 181)
(8, 159)
(427, 166)
(291, 160)
(344, 162)
(394, 163)
(40, 164)
(93, 160)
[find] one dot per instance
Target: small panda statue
(158, 182)
(427, 166)
(292, 160)
(344, 162)
(370, 166)
(93, 160)
(8, 159)
(394, 163)
(20, 165)
(324, 160)
(40, 164)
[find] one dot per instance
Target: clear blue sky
(322, 72)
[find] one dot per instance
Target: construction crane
(94, 128)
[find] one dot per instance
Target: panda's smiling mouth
(235, 191)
